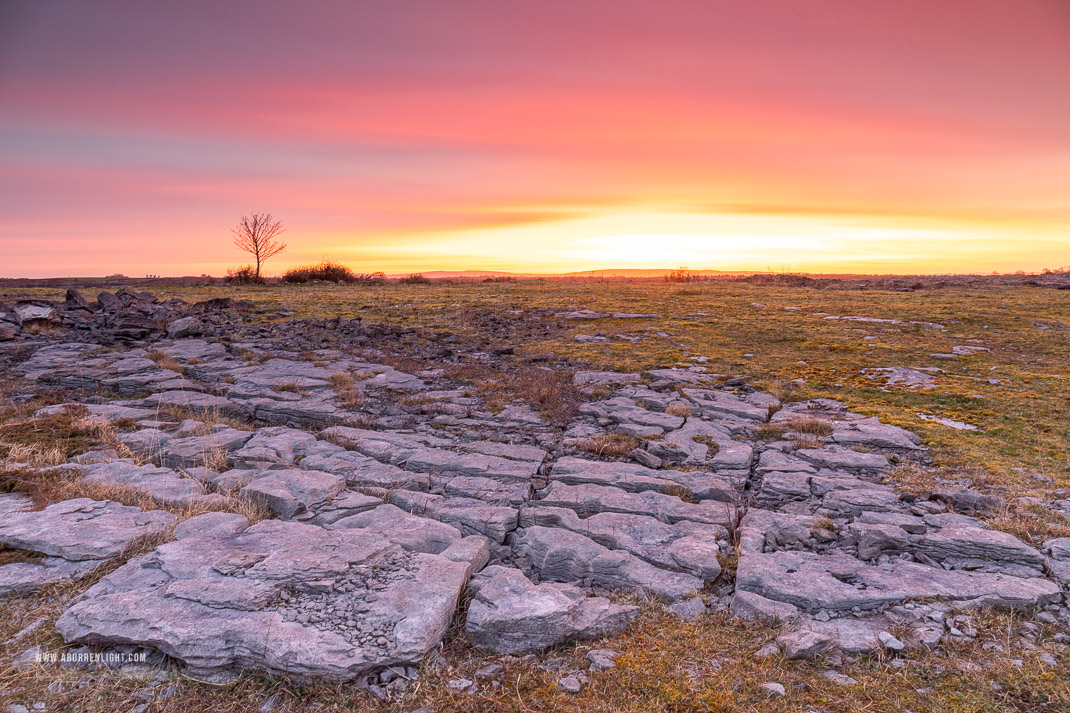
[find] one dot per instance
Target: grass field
(1016, 394)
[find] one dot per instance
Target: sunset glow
(826, 136)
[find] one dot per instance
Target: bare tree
(257, 235)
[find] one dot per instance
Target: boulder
(803, 644)
(108, 302)
(74, 300)
(185, 327)
(753, 607)
(34, 310)
(967, 501)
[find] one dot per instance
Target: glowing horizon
(899, 137)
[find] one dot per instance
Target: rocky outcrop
(389, 489)
(123, 316)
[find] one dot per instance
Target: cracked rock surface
(390, 489)
(281, 597)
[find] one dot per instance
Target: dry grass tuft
(825, 523)
(770, 432)
(712, 445)
(1033, 523)
(813, 426)
(682, 410)
(209, 417)
(216, 459)
(289, 387)
(346, 386)
(165, 361)
(785, 391)
(341, 381)
(548, 391)
(614, 445)
(36, 454)
(53, 439)
(682, 492)
(804, 441)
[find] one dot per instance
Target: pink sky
(823, 135)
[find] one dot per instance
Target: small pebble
(774, 690)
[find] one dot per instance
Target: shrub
(682, 274)
(415, 279)
(244, 275)
(325, 271)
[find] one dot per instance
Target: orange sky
(827, 135)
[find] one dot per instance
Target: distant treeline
(331, 272)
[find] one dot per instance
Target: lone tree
(257, 235)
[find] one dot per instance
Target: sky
(876, 136)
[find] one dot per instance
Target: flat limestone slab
(564, 556)
(14, 502)
(588, 500)
(26, 577)
(634, 478)
(71, 540)
(279, 597)
(290, 492)
(510, 615)
(82, 529)
(163, 485)
(412, 532)
(689, 547)
(837, 581)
